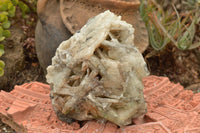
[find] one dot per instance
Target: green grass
(171, 27)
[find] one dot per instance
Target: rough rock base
(170, 109)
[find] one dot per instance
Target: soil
(5, 128)
(20, 55)
(180, 66)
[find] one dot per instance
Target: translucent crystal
(97, 73)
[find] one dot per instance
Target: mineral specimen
(97, 73)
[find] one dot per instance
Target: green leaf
(1, 34)
(1, 49)
(10, 5)
(24, 8)
(1, 46)
(15, 2)
(3, 6)
(2, 38)
(195, 45)
(152, 38)
(2, 64)
(5, 13)
(3, 17)
(6, 33)
(11, 11)
(6, 24)
(1, 72)
(186, 39)
(1, 30)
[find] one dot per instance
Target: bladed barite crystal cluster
(97, 73)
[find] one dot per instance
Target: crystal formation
(97, 73)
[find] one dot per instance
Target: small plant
(164, 27)
(2, 64)
(7, 11)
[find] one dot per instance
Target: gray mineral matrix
(98, 72)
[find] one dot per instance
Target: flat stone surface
(170, 109)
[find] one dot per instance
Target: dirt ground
(20, 55)
(180, 66)
(5, 128)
